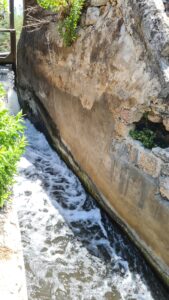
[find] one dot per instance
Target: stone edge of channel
(12, 275)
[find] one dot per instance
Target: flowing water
(72, 249)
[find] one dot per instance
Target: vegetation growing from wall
(145, 136)
(70, 12)
(150, 134)
(12, 145)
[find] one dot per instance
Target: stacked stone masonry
(154, 163)
(151, 163)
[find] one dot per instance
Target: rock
(102, 10)
(113, 2)
(161, 153)
(166, 124)
(165, 169)
(154, 118)
(149, 163)
(122, 129)
(83, 20)
(98, 2)
(164, 187)
(92, 15)
(133, 151)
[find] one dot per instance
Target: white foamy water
(72, 250)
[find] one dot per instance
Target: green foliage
(53, 5)
(2, 91)
(12, 145)
(4, 42)
(71, 10)
(3, 7)
(68, 27)
(4, 23)
(146, 136)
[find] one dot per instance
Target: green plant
(4, 23)
(146, 136)
(12, 145)
(2, 91)
(68, 27)
(71, 11)
(53, 5)
(3, 8)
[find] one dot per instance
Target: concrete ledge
(12, 275)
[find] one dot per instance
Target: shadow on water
(90, 225)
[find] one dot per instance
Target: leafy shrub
(146, 136)
(54, 5)
(12, 145)
(68, 27)
(71, 10)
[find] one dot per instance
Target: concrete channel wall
(90, 96)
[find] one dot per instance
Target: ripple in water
(72, 249)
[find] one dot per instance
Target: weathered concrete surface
(90, 95)
(12, 275)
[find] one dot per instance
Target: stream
(72, 249)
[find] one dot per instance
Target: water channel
(72, 249)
